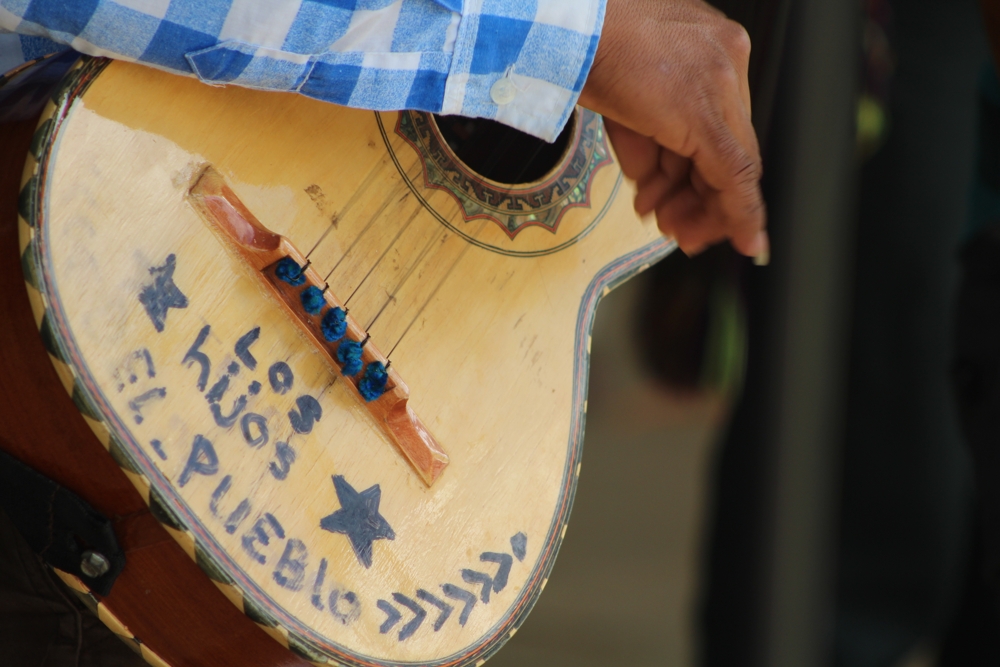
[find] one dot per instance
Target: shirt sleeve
(521, 62)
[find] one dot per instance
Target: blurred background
(774, 472)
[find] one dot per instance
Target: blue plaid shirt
(521, 62)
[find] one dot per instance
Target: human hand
(670, 79)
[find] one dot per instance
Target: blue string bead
(372, 385)
(349, 355)
(289, 271)
(334, 324)
(312, 299)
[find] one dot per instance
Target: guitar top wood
(239, 423)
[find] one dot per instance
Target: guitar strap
(63, 529)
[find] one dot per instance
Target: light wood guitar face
(244, 437)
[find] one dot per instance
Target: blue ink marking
(290, 272)
(519, 545)
(129, 365)
(392, 616)
(280, 377)
(163, 294)
(372, 384)
(259, 533)
(445, 608)
(467, 598)
(137, 403)
(237, 516)
(419, 614)
(309, 412)
(473, 577)
(505, 561)
(353, 606)
(334, 324)
(220, 492)
(358, 518)
(254, 388)
(150, 371)
(349, 355)
(194, 354)
(252, 418)
(286, 457)
(242, 348)
(218, 390)
(202, 460)
(312, 299)
(318, 585)
(158, 448)
(233, 368)
(226, 421)
(291, 568)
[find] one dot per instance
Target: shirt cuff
(521, 67)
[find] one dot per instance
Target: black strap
(60, 526)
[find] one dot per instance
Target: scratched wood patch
(247, 442)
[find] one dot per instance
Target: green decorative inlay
(209, 567)
(50, 340)
(258, 615)
(300, 647)
(28, 266)
(65, 86)
(26, 201)
(120, 455)
(84, 402)
(160, 511)
(41, 138)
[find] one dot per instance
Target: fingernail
(760, 248)
(694, 251)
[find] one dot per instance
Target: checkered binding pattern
(443, 56)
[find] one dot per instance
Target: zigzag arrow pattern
(456, 593)
(445, 608)
(488, 584)
(495, 583)
(419, 614)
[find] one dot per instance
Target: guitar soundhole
(501, 153)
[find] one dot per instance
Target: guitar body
(415, 523)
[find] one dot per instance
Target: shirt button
(503, 91)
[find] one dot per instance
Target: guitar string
(483, 224)
(431, 242)
(430, 297)
(343, 211)
(385, 252)
(368, 226)
(496, 156)
(371, 221)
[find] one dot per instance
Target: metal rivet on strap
(94, 564)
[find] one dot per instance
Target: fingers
(673, 74)
(727, 165)
(637, 155)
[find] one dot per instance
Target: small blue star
(358, 518)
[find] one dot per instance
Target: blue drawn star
(163, 294)
(358, 518)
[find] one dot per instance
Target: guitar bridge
(324, 319)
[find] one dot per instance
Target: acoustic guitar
(328, 364)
